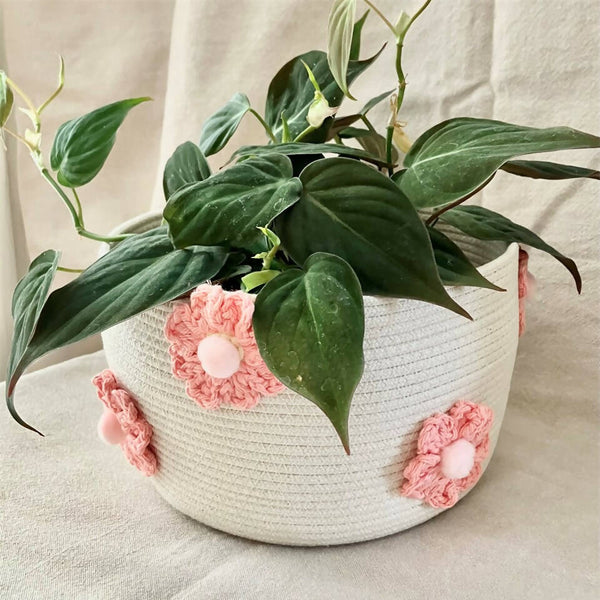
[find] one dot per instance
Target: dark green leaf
(453, 265)
(356, 37)
(456, 157)
(81, 146)
(340, 30)
(228, 207)
(292, 91)
(375, 144)
(219, 128)
(350, 210)
(484, 224)
(27, 302)
(186, 165)
(300, 148)
(6, 99)
(309, 327)
(353, 132)
(142, 271)
(339, 124)
(548, 170)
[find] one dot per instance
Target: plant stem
(25, 98)
(81, 230)
(368, 123)
(388, 148)
(67, 270)
(265, 125)
(78, 204)
(436, 215)
(59, 87)
(381, 16)
(17, 136)
(308, 130)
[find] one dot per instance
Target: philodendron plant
(309, 221)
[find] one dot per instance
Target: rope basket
(278, 473)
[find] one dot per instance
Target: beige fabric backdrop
(534, 63)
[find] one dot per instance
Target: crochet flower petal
(473, 421)
(437, 432)
(214, 311)
(136, 445)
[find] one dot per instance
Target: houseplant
(385, 268)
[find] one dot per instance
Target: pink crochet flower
(122, 423)
(450, 451)
(213, 349)
(526, 285)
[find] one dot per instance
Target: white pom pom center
(219, 356)
(458, 459)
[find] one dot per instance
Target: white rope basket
(277, 472)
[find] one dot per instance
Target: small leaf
(219, 128)
(27, 303)
(81, 146)
(453, 265)
(548, 170)
(402, 25)
(353, 132)
(228, 207)
(373, 102)
(300, 148)
(309, 327)
(142, 271)
(6, 99)
(258, 278)
(375, 144)
(187, 165)
(340, 30)
(484, 224)
(292, 91)
(456, 157)
(357, 35)
(349, 209)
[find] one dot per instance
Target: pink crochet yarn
(136, 431)
(450, 450)
(526, 284)
(213, 311)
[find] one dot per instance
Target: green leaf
(6, 99)
(375, 144)
(292, 91)
(228, 207)
(187, 165)
(484, 224)
(340, 30)
(548, 170)
(27, 302)
(219, 128)
(309, 327)
(353, 132)
(142, 271)
(300, 148)
(453, 265)
(456, 157)
(350, 210)
(356, 36)
(258, 278)
(373, 102)
(81, 146)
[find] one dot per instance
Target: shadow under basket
(277, 472)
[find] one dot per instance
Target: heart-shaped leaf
(301, 148)
(548, 170)
(6, 99)
(228, 207)
(356, 37)
(456, 157)
(27, 302)
(219, 128)
(141, 272)
(187, 165)
(291, 91)
(340, 30)
(81, 146)
(484, 224)
(351, 210)
(309, 327)
(453, 265)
